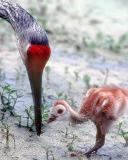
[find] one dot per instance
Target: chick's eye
(60, 111)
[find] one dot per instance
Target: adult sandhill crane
(34, 49)
(102, 105)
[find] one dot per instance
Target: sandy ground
(29, 146)
(64, 61)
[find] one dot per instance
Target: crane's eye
(60, 111)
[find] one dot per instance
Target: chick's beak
(51, 118)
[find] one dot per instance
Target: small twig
(106, 76)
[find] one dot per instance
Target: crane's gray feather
(23, 23)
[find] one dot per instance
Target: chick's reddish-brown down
(102, 105)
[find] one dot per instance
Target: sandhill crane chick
(102, 105)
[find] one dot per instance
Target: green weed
(70, 145)
(87, 80)
(123, 133)
(9, 97)
(108, 42)
(76, 74)
(62, 95)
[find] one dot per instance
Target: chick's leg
(100, 140)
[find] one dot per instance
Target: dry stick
(7, 134)
(19, 121)
(106, 76)
(66, 132)
(48, 153)
(70, 145)
(14, 140)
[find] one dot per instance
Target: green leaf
(70, 148)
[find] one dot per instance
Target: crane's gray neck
(19, 18)
(23, 23)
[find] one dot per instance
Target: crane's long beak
(37, 57)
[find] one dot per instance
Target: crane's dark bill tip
(38, 134)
